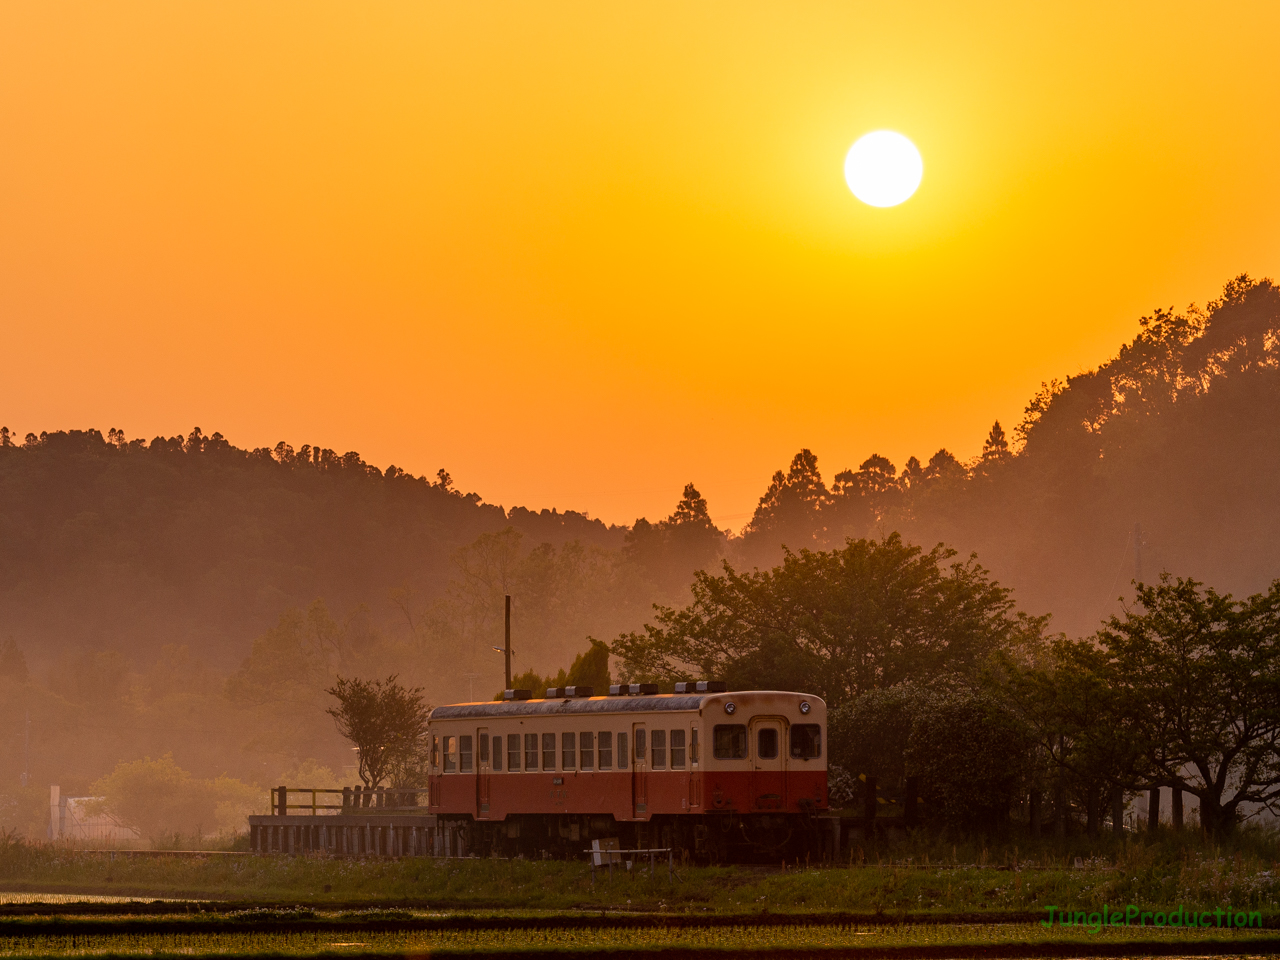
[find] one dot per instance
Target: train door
(483, 768)
(640, 772)
(768, 764)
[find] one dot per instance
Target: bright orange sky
(580, 254)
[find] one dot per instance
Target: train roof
(662, 702)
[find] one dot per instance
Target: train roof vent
(702, 686)
(633, 689)
(579, 691)
(517, 694)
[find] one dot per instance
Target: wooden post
(507, 648)
(282, 799)
(1153, 808)
(1117, 811)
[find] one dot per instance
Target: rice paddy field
(544, 936)
(904, 903)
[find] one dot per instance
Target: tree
(789, 513)
(1198, 677)
(160, 799)
(385, 721)
(966, 751)
(834, 623)
(1087, 746)
(589, 669)
(995, 449)
(668, 552)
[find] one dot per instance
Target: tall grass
(923, 874)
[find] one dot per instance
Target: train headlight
(804, 706)
(730, 708)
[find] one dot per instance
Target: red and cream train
(723, 775)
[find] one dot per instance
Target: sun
(883, 168)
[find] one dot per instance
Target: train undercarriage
(705, 839)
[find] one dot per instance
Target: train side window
(677, 749)
(806, 741)
(658, 746)
(435, 752)
(464, 754)
(530, 752)
(767, 743)
(729, 741)
(586, 750)
(450, 748)
(548, 751)
(605, 740)
(623, 762)
(640, 745)
(693, 746)
(497, 754)
(513, 753)
(484, 748)
(568, 741)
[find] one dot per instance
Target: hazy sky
(580, 254)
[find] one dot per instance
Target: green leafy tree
(1087, 746)
(1197, 676)
(384, 721)
(836, 623)
(965, 751)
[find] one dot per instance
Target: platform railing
(353, 800)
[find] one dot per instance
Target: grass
(925, 878)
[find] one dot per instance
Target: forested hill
(1166, 458)
(124, 545)
(131, 545)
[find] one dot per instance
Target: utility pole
(507, 648)
(26, 751)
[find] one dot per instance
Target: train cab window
(530, 752)
(729, 741)
(640, 745)
(806, 741)
(513, 753)
(693, 746)
(767, 743)
(484, 748)
(677, 749)
(568, 758)
(464, 754)
(586, 750)
(497, 754)
(659, 748)
(548, 751)
(605, 741)
(450, 749)
(623, 762)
